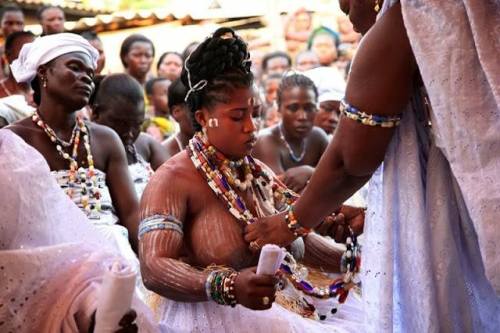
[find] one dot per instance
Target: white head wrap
(46, 48)
(329, 82)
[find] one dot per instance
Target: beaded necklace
(200, 152)
(78, 176)
(294, 157)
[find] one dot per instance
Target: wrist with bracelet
(294, 225)
(219, 286)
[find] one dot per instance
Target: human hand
(269, 230)
(127, 323)
(256, 292)
(337, 226)
(296, 178)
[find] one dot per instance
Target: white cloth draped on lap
(205, 317)
(424, 233)
(51, 257)
(14, 108)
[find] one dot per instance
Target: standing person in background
(180, 112)
(306, 60)
(276, 63)
(96, 42)
(293, 147)
(15, 98)
(324, 42)
(11, 20)
(51, 19)
(137, 53)
(160, 123)
(170, 65)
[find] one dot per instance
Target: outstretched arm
(380, 83)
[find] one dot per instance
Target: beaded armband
(368, 119)
(219, 286)
(294, 225)
(160, 222)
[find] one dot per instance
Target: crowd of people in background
(173, 159)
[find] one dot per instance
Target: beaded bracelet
(219, 286)
(294, 225)
(368, 119)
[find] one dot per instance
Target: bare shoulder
(102, 132)
(268, 135)
(318, 135)
(178, 169)
(25, 129)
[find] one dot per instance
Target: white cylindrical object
(270, 259)
(115, 296)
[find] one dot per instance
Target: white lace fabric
(51, 256)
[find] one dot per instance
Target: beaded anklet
(219, 286)
(368, 119)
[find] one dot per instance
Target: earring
(213, 122)
(44, 82)
(377, 6)
(204, 131)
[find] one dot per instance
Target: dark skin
(9, 82)
(180, 113)
(126, 120)
(52, 21)
(328, 116)
(12, 21)
(69, 86)
(361, 13)
(194, 203)
(139, 60)
(298, 109)
(380, 82)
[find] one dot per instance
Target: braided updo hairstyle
(222, 60)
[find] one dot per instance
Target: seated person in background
(293, 147)
(270, 86)
(160, 124)
(306, 60)
(275, 63)
(331, 89)
(169, 66)
(180, 112)
(15, 97)
(119, 104)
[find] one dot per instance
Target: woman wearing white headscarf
(431, 256)
(87, 160)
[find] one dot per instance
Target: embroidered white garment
(52, 260)
(425, 234)
(105, 219)
(14, 108)
(140, 172)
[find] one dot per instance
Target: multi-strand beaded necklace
(221, 175)
(78, 176)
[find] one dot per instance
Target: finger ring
(265, 300)
(254, 246)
